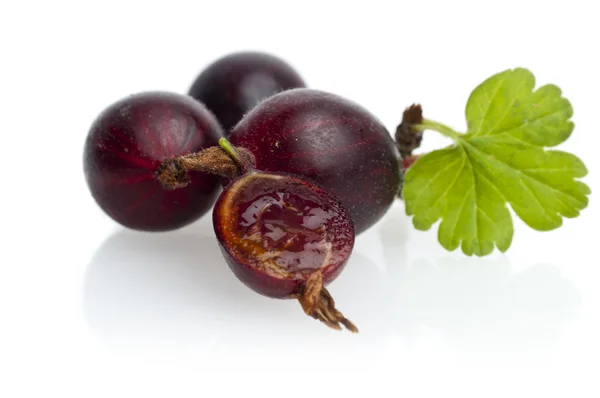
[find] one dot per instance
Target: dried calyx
(407, 137)
(318, 303)
(173, 172)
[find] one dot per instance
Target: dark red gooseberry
(285, 237)
(329, 140)
(125, 148)
(235, 83)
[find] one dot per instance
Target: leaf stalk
(440, 128)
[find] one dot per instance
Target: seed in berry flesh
(235, 83)
(284, 237)
(127, 144)
(327, 139)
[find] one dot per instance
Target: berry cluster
(292, 174)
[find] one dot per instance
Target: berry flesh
(126, 146)
(329, 140)
(276, 230)
(284, 237)
(235, 83)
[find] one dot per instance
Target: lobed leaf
(501, 160)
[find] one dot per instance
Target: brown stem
(407, 138)
(173, 172)
(318, 303)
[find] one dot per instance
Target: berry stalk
(241, 160)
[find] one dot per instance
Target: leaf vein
(519, 173)
(462, 205)
(539, 202)
(489, 105)
(476, 221)
(553, 170)
(508, 109)
(531, 121)
(450, 186)
(435, 176)
(486, 216)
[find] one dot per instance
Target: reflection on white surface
(475, 304)
(175, 289)
(483, 304)
(152, 288)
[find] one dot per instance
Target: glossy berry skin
(126, 145)
(330, 140)
(235, 83)
(274, 230)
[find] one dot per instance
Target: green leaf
(501, 160)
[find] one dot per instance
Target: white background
(90, 310)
